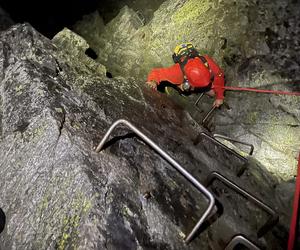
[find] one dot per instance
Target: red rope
(263, 91)
(293, 226)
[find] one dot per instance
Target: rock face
(256, 42)
(57, 193)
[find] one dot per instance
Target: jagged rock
(57, 193)
(91, 27)
(75, 47)
(257, 44)
(111, 37)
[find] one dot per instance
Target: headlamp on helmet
(186, 85)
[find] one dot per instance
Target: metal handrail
(240, 239)
(223, 146)
(176, 165)
(234, 140)
(272, 221)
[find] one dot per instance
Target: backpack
(184, 52)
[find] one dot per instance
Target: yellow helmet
(183, 50)
(182, 47)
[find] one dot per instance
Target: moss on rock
(75, 47)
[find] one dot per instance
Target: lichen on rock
(258, 52)
(56, 105)
(75, 47)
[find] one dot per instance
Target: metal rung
(272, 221)
(241, 240)
(199, 98)
(176, 165)
(223, 146)
(215, 141)
(208, 114)
(234, 140)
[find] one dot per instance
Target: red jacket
(174, 75)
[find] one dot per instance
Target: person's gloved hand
(218, 103)
(152, 84)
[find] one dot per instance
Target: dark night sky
(49, 17)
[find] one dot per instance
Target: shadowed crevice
(2, 220)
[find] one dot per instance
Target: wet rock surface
(255, 42)
(57, 193)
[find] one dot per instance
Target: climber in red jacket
(191, 72)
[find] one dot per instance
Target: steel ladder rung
(173, 163)
(240, 239)
(236, 141)
(273, 219)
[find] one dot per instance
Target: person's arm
(171, 74)
(218, 85)
(219, 81)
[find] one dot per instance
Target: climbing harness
(182, 54)
(176, 165)
(295, 216)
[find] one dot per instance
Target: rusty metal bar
(234, 140)
(223, 146)
(208, 114)
(240, 239)
(272, 221)
(176, 165)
